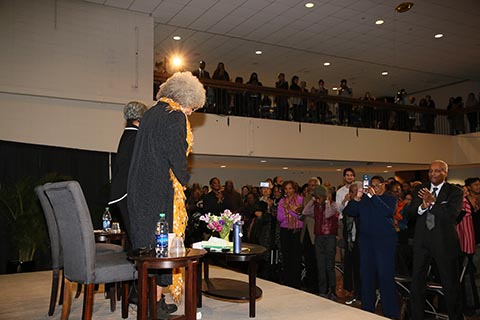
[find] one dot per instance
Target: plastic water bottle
(161, 237)
(107, 220)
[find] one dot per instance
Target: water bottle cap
(162, 215)
(107, 208)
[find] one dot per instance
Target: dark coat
(122, 163)
(160, 145)
(443, 237)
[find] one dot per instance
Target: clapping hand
(427, 197)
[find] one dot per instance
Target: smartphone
(264, 184)
(365, 182)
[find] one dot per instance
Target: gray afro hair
(134, 110)
(184, 89)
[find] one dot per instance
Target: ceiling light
(263, 161)
(404, 7)
(309, 5)
(334, 88)
(389, 166)
(438, 35)
(285, 168)
(385, 73)
(379, 22)
(326, 64)
(385, 171)
(223, 166)
(177, 62)
(177, 38)
(339, 169)
(258, 52)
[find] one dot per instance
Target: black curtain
(89, 168)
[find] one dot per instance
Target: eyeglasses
(376, 185)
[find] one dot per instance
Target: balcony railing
(228, 98)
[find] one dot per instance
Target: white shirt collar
(439, 187)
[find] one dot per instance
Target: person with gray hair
(158, 172)
(132, 113)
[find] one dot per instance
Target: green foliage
(20, 209)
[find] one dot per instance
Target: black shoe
(162, 314)
(167, 307)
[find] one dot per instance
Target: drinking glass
(177, 247)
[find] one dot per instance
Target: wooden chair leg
(88, 302)
(79, 290)
(118, 289)
(54, 291)
(67, 299)
(62, 288)
(124, 290)
(112, 295)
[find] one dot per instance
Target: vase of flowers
(223, 223)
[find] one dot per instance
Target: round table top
(249, 252)
(150, 255)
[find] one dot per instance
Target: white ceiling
(297, 41)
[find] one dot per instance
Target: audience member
(213, 202)
(325, 214)
(254, 98)
(344, 109)
(473, 115)
(375, 208)
(232, 198)
(280, 100)
(307, 238)
(295, 101)
(436, 205)
(288, 212)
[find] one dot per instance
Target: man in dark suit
(201, 73)
(436, 205)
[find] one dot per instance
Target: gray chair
(56, 251)
(81, 263)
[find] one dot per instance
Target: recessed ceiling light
(223, 166)
(263, 161)
(309, 5)
(385, 73)
(379, 22)
(389, 166)
(177, 38)
(404, 7)
(438, 35)
(386, 171)
(326, 64)
(334, 88)
(339, 169)
(285, 168)
(258, 52)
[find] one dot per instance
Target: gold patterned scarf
(179, 211)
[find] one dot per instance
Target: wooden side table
(110, 237)
(233, 289)
(189, 261)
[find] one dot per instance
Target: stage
(26, 296)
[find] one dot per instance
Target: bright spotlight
(177, 62)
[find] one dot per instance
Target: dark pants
(292, 256)
(450, 277)
(351, 269)
(325, 248)
(309, 255)
(377, 266)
